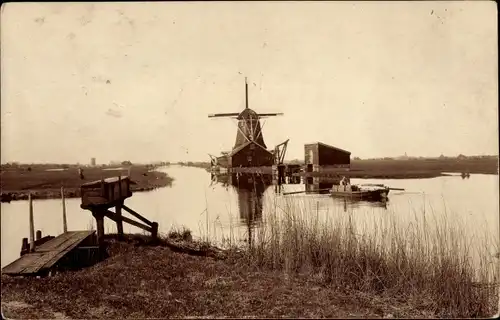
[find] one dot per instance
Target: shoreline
(389, 169)
(180, 276)
(18, 183)
(45, 181)
(50, 194)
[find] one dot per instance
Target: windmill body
(249, 149)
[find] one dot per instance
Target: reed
(432, 263)
(432, 266)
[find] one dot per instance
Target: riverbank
(393, 169)
(154, 281)
(140, 281)
(294, 269)
(412, 168)
(421, 168)
(44, 181)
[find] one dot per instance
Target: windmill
(249, 127)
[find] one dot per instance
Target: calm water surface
(228, 207)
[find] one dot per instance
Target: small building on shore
(319, 156)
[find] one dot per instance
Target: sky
(136, 81)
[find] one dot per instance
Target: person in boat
(344, 182)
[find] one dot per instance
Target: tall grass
(431, 264)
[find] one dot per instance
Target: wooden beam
(154, 230)
(113, 216)
(138, 216)
(119, 222)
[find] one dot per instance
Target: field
(414, 169)
(18, 180)
(401, 169)
(295, 268)
(422, 168)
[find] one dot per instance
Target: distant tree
(461, 156)
(356, 158)
(126, 163)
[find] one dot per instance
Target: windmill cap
(247, 113)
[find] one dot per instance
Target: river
(215, 207)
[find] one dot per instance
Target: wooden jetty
(74, 249)
(45, 258)
(43, 255)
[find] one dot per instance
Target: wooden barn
(320, 155)
(249, 154)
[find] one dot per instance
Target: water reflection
(250, 188)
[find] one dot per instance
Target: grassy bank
(17, 181)
(199, 164)
(296, 266)
(415, 168)
(403, 169)
(423, 167)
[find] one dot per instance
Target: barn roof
(241, 147)
(329, 146)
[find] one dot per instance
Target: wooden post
(65, 223)
(103, 191)
(119, 221)
(31, 225)
(119, 186)
(154, 230)
(99, 218)
(25, 246)
(38, 235)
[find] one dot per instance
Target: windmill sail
(249, 126)
(214, 115)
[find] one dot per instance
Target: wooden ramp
(45, 257)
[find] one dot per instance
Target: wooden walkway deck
(47, 255)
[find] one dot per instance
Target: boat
(361, 192)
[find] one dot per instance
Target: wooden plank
(56, 242)
(113, 216)
(64, 248)
(97, 183)
(50, 258)
(16, 267)
(47, 254)
(135, 214)
(105, 192)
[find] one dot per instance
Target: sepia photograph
(249, 159)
